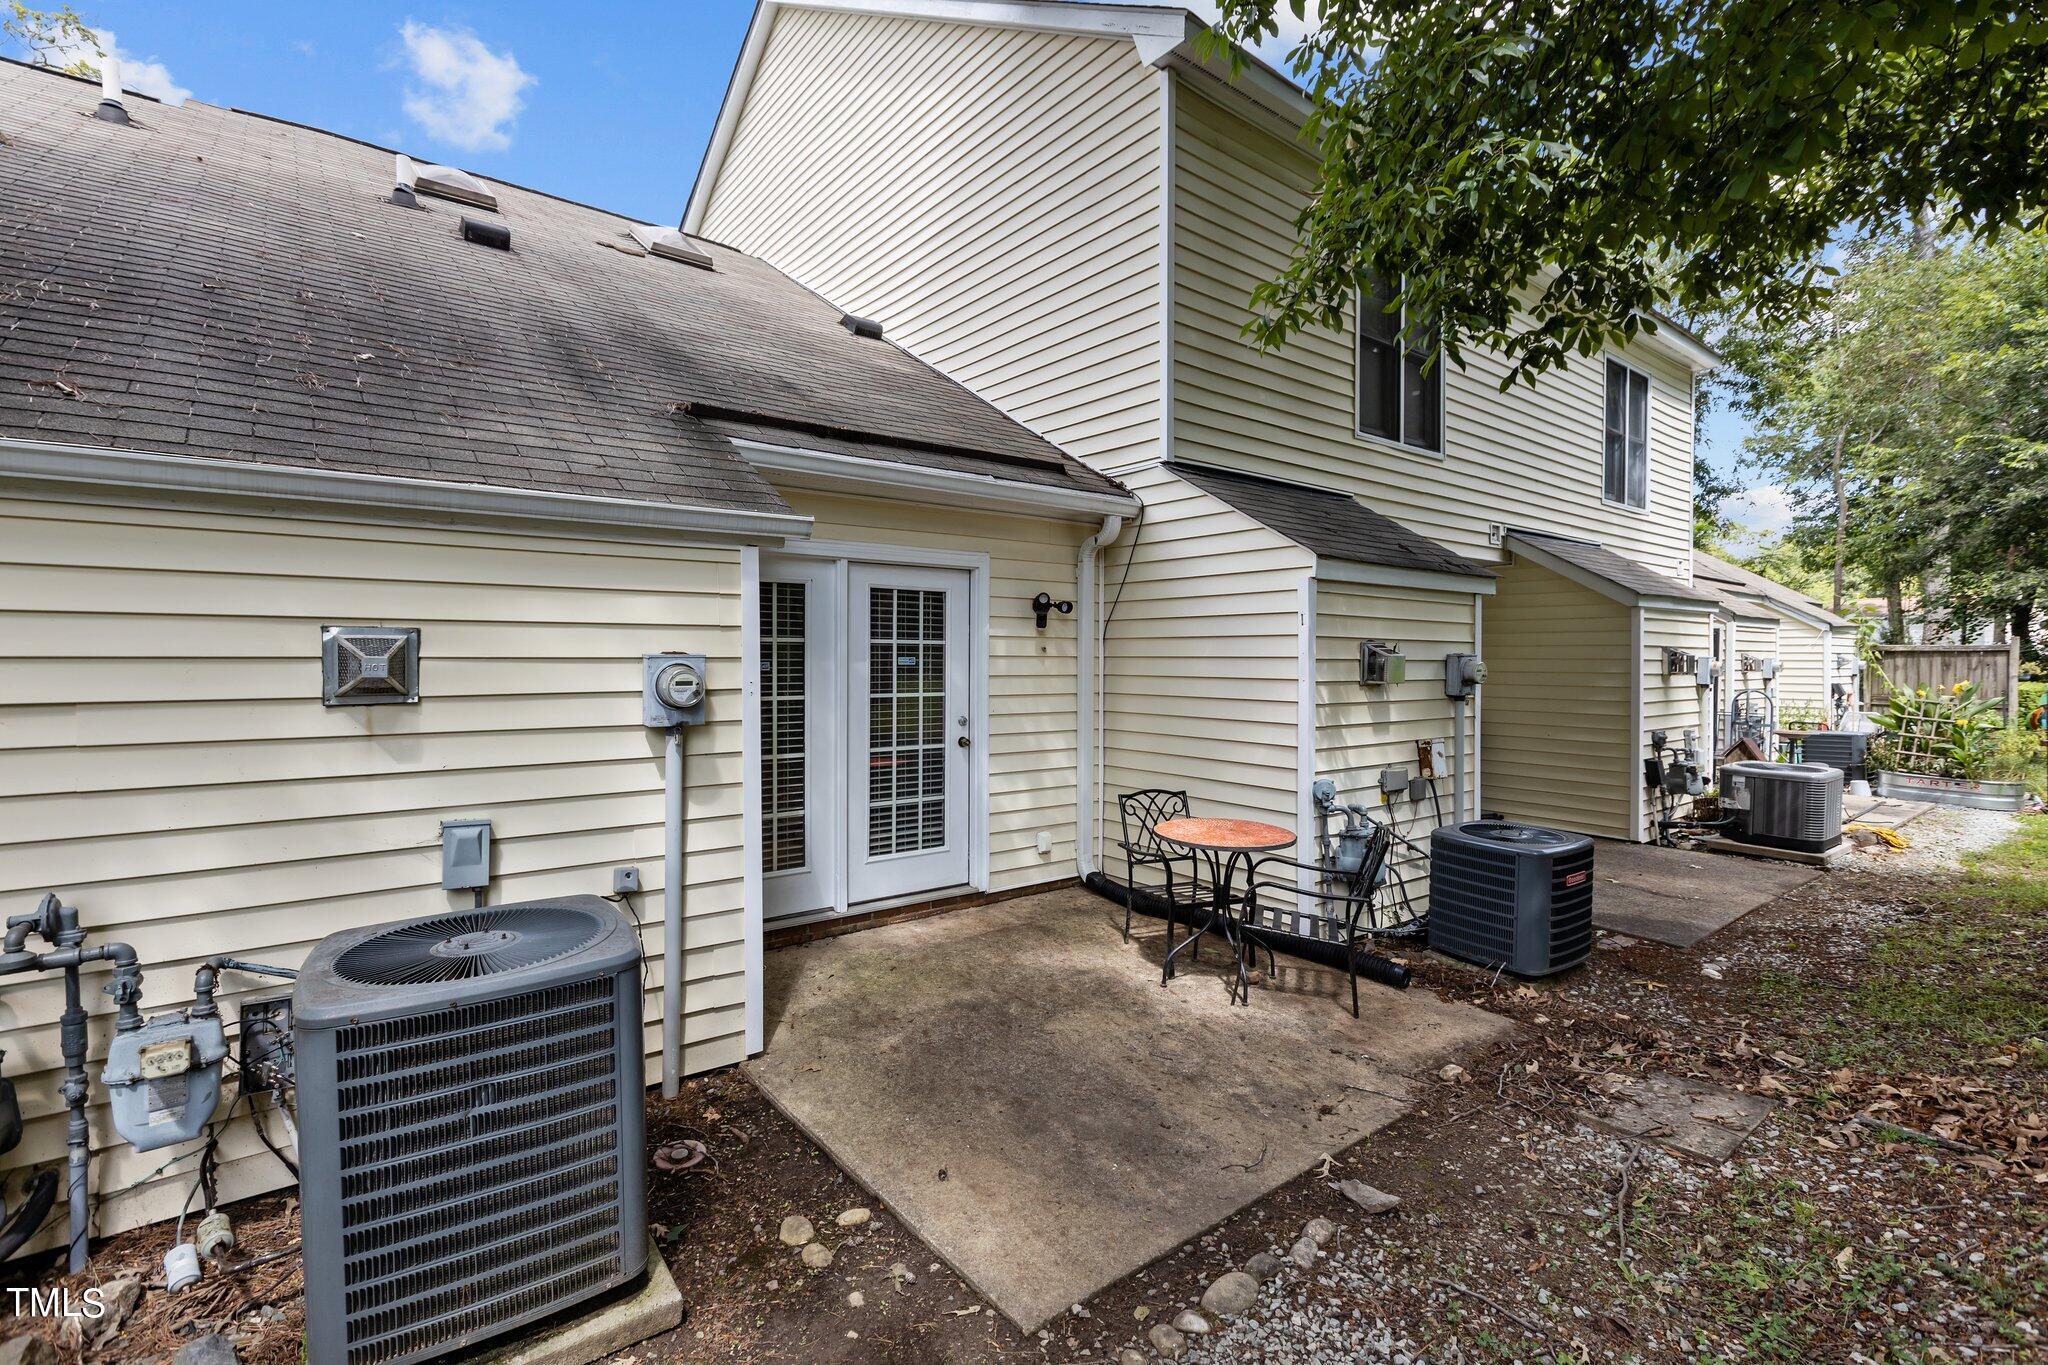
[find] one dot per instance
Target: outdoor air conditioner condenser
(470, 1126)
(1784, 805)
(1519, 896)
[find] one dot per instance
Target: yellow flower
(1960, 688)
(1919, 691)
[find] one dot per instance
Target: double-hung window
(1400, 387)
(1627, 474)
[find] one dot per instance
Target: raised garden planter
(1953, 791)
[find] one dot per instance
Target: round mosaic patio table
(1226, 845)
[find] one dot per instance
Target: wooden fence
(1994, 668)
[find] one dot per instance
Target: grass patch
(1967, 978)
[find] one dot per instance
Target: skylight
(447, 182)
(669, 244)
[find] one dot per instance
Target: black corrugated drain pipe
(1372, 966)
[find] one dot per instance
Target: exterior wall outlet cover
(625, 880)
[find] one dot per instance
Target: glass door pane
(784, 727)
(906, 794)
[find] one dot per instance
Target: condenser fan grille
(468, 944)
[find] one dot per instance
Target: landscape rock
(27, 1351)
(1131, 1355)
(1232, 1293)
(1168, 1342)
(854, 1217)
(902, 1274)
(1320, 1231)
(1368, 1198)
(797, 1229)
(1263, 1266)
(817, 1255)
(1190, 1323)
(120, 1297)
(1303, 1253)
(856, 1299)
(211, 1349)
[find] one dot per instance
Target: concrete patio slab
(1693, 1118)
(1679, 897)
(1015, 1084)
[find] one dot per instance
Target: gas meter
(165, 1078)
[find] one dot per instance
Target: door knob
(963, 741)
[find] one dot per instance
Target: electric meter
(672, 690)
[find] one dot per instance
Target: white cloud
(1765, 511)
(143, 75)
(467, 93)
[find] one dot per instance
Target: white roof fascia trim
(1678, 606)
(833, 472)
(1147, 27)
(1388, 576)
(187, 476)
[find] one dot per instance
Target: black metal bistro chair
(1342, 909)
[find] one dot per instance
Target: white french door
(911, 732)
(866, 733)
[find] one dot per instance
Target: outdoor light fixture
(1043, 606)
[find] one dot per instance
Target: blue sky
(612, 106)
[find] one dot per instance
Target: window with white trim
(1400, 386)
(1627, 471)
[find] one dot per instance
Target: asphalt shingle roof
(1736, 579)
(1332, 524)
(1604, 563)
(214, 283)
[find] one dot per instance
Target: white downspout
(1087, 717)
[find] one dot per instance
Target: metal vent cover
(369, 665)
(469, 1164)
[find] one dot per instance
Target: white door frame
(976, 564)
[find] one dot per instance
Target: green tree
(57, 37)
(1543, 177)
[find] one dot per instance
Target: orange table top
(1254, 836)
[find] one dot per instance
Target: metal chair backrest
(1141, 810)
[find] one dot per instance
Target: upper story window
(1400, 389)
(1627, 476)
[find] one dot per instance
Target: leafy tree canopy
(1541, 176)
(57, 37)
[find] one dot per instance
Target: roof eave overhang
(831, 472)
(1603, 585)
(1390, 576)
(159, 478)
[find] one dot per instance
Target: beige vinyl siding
(1361, 730)
(1803, 668)
(166, 764)
(990, 195)
(1200, 670)
(1031, 672)
(1557, 704)
(1756, 640)
(1670, 703)
(1528, 458)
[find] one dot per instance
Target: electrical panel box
(266, 1044)
(672, 690)
(1433, 757)
(1394, 781)
(465, 855)
(1381, 664)
(1463, 673)
(1680, 663)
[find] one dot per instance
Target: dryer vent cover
(369, 665)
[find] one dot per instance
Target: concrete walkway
(1679, 896)
(1016, 1085)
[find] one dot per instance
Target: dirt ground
(1894, 1206)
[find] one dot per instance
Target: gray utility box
(1784, 805)
(471, 1127)
(1509, 895)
